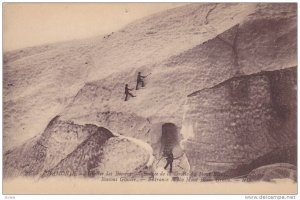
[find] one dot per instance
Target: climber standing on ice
(169, 158)
(127, 92)
(140, 79)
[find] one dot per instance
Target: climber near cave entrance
(127, 92)
(140, 79)
(169, 158)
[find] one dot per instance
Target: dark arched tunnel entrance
(169, 137)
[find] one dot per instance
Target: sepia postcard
(149, 98)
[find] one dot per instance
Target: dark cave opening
(169, 137)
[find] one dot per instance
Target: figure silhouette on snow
(127, 92)
(169, 158)
(140, 79)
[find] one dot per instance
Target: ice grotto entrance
(169, 137)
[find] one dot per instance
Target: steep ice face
(246, 118)
(178, 46)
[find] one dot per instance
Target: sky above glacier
(32, 24)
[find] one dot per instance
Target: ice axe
(159, 160)
(148, 75)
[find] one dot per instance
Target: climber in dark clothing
(169, 158)
(140, 79)
(127, 92)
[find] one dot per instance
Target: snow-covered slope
(39, 82)
(186, 49)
